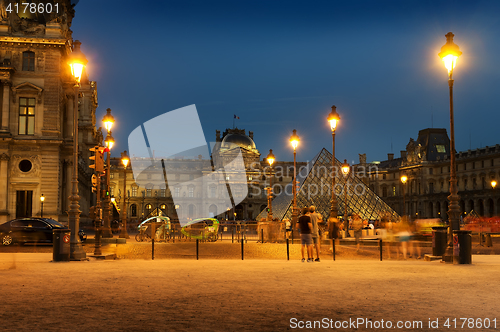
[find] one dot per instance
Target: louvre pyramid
(314, 183)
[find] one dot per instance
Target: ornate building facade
(36, 131)
(426, 163)
(193, 180)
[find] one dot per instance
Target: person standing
(305, 235)
(333, 231)
(315, 218)
(357, 226)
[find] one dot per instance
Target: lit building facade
(426, 163)
(193, 180)
(36, 130)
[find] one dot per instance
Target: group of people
(390, 231)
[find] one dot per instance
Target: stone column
(5, 106)
(4, 188)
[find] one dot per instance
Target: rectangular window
(430, 170)
(148, 192)
(393, 190)
(177, 192)
(431, 188)
(26, 116)
(28, 61)
(134, 191)
(191, 192)
(162, 192)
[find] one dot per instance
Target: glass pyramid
(314, 188)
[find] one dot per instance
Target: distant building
(426, 163)
(36, 123)
(148, 200)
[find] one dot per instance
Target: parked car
(31, 230)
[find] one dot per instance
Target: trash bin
(439, 240)
(61, 238)
(462, 247)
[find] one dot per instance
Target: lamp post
(449, 54)
(345, 171)
(333, 119)
(42, 198)
(404, 178)
(77, 62)
(108, 121)
(294, 139)
(270, 159)
(125, 161)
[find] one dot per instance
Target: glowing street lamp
(270, 159)
(333, 119)
(77, 63)
(345, 170)
(404, 178)
(108, 121)
(493, 184)
(449, 54)
(125, 161)
(42, 199)
(294, 140)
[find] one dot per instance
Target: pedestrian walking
(357, 226)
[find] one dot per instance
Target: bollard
(333, 249)
(287, 250)
(292, 235)
(197, 249)
(232, 235)
(241, 249)
(380, 246)
(153, 248)
(262, 235)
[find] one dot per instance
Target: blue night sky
(281, 65)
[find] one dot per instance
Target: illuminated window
(26, 116)
(28, 61)
(134, 191)
(440, 149)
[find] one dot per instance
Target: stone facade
(36, 131)
(426, 163)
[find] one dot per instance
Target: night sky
(281, 65)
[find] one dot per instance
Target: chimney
(390, 156)
(403, 154)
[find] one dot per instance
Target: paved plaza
(186, 294)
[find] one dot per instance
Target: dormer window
(28, 61)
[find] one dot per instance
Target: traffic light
(98, 157)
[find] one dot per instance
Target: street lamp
(77, 63)
(125, 161)
(270, 159)
(42, 198)
(109, 141)
(294, 139)
(404, 178)
(333, 119)
(449, 54)
(493, 184)
(345, 171)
